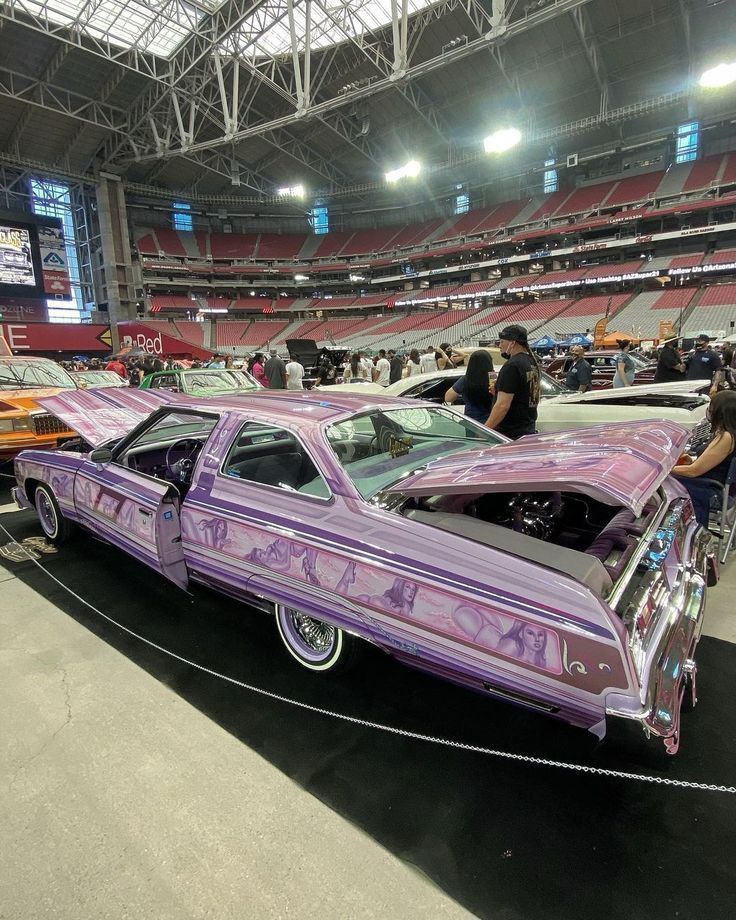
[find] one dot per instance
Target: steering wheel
(180, 468)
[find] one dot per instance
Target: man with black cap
(704, 361)
(670, 366)
(514, 411)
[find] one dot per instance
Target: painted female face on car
(410, 592)
(533, 639)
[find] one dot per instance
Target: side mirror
(100, 456)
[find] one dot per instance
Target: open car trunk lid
(621, 465)
(102, 415)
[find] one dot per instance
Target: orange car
(23, 423)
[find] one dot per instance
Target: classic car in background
(91, 380)
(560, 408)
(309, 355)
(564, 573)
(202, 381)
(23, 423)
(603, 364)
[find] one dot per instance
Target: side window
(433, 391)
(272, 456)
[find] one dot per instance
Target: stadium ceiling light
(718, 76)
(301, 277)
(502, 140)
(408, 170)
(291, 191)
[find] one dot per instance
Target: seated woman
(715, 460)
(475, 387)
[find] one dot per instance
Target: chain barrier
(389, 729)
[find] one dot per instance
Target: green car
(201, 382)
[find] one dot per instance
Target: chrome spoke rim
(316, 635)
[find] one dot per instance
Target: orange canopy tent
(610, 340)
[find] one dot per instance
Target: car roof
(302, 408)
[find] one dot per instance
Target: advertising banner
(155, 342)
(45, 338)
(16, 260)
(54, 262)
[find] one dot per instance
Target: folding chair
(723, 512)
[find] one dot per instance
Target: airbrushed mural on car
(562, 573)
(574, 659)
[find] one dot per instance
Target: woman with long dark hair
(255, 366)
(475, 386)
(413, 365)
(353, 369)
(714, 462)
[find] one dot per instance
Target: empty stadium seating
(634, 189)
(179, 302)
(280, 246)
(585, 199)
(610, 269)
(715, 310)
(233, 245)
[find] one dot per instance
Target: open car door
(134, 511)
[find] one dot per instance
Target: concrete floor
(124, 801)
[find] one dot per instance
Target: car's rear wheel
(55, 526)
(315, 644)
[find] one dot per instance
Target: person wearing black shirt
(514, 411)
(326, 372)
(580, 375)
(397, 366)
(703, 362)
(670, 366)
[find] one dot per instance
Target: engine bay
(576, 525)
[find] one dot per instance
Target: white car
(560, 408)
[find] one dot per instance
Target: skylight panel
(156, 26)
(160, 26)
(333, 21)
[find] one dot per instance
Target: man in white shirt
(382, 370)
(428, 362)
(294, 374)
(367, 365)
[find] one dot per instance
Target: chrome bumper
(19, 497)
(671, 664)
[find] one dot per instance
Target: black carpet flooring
(509, 841)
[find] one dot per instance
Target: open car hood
(621, 465)
(101, 415)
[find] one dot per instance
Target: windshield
(18, 374)
(220, 380)
(378, 448)
(548, 386)
(639, 360)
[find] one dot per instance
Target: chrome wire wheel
(317, 636)
(47, 514)
(316, 645)
(56, 528)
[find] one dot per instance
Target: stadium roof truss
(206, 63)
(217, 74)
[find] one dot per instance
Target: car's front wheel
(55, 526)
(315, 644)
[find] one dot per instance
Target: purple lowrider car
(564, 572)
